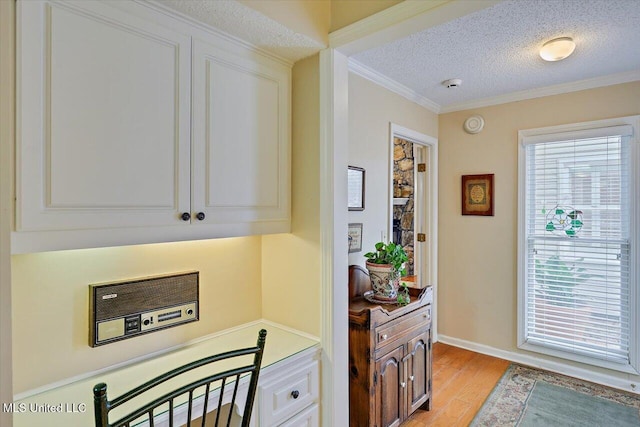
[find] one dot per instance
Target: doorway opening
(413, 204)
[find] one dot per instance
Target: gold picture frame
(478, 195)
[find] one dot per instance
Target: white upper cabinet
(127, 136)
(103, 119)
(240, 136)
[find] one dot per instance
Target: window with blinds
(575, 283)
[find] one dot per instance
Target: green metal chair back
(229, 377)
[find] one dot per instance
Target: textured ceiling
(249, 25)
(495, 51)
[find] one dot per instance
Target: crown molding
(410, 16)
(559, 89)
(370, 74)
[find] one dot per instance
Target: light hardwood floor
(462, 380)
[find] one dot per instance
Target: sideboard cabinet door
(419, 371)
(390, 389)
(241, 136)
(104, 118)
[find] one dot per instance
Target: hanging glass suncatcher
(563, 219)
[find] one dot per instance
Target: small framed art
(356, 188)
(355, 237)
(477, 195)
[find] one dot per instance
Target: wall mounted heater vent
(126, 309)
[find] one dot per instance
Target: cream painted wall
(346, 12)
(291, 263)
(275, 277)
(50, 296)
(477, 255)
(311, 18)
(371, 110)
(50, 302)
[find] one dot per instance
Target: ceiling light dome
(557, 49)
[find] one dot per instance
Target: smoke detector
(452, 83)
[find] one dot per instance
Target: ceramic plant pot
(384, 281)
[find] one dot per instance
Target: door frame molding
(334, 134)
(431, 224)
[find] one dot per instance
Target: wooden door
(390, 394)
(104, 129)
(241, 142)
(418, 371)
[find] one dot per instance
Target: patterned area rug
(531, 397)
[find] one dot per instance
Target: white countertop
(72, 405)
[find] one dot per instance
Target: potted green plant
(386, 265)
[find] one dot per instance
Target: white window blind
(577, 243)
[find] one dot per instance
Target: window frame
(529, 136)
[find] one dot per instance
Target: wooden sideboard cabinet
(389, 360)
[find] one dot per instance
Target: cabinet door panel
(389, 392)
(104, 106)
(241, 136)
(419, 371)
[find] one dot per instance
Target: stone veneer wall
(403, 186)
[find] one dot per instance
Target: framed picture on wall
(356, 188)
(477, 195)
(355, 237)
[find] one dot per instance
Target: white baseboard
(621, 381)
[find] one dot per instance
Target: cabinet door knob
(200, 216)
(295, 394)
(384, 336)
(411, 378)
(186, 216)
(403, 384)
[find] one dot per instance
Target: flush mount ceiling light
(557, 49)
